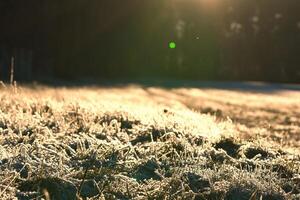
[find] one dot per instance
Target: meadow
(148, 142)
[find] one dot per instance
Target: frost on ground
(137, 142)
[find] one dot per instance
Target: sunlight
(209, 3)
(203, 3)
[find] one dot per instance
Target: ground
(150, 142)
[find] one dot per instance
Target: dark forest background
(216, 39)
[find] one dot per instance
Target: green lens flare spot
(172, 45)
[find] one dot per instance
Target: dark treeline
(216, 39)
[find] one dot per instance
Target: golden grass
(136, 142)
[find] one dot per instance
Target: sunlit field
(142, 142)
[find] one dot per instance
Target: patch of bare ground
(148, 143)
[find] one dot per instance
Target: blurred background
(255, 40)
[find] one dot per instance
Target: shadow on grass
(261, 87)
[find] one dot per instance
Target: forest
(216, 40)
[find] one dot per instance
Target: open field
(149, 142)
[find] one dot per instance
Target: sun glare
(209, 3)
